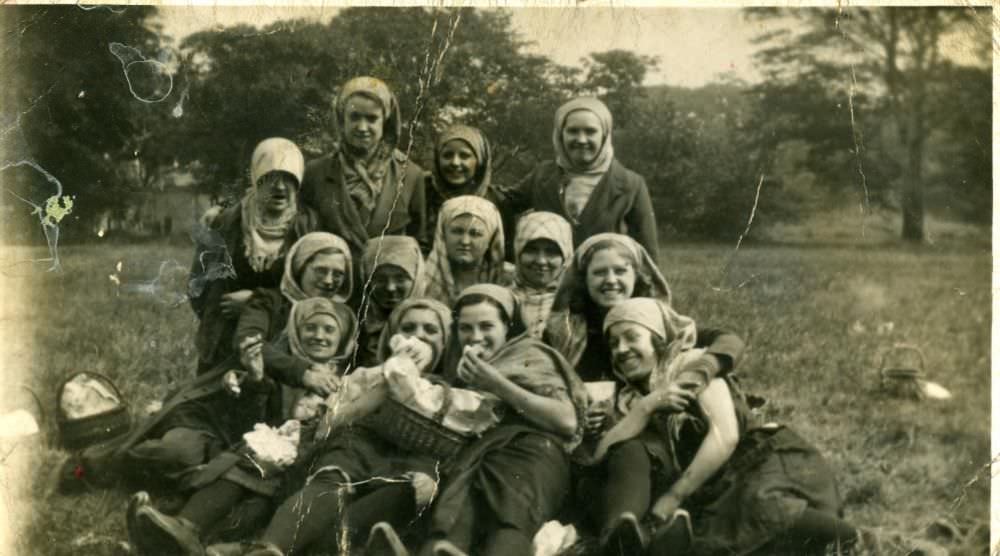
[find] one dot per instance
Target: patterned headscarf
(566, 329)
(536, 302)
(304, 249)
(438, 281)
(365, 175)
(476, 141)
(443, 313)
(306, 309)
(264, 241)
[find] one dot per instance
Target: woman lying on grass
(200, 419)
(509, 482)
(320, 332)
(607, 270)
(684, 461)
(356, 478)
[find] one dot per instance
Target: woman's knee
(629, 457)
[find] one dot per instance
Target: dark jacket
(619, 204)
(220, 266)
(398, 210)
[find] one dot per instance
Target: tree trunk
(913, 192)
(913, 188)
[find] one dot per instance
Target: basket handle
(901, 348)
(104, 379)
(38, 402)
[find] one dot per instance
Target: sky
(694, 45)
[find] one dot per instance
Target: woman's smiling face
(324, 275)
(483, 326)
(632, 351)
(458, 162)
(610, 278)
(363, 121)
(540, 262)
(582, 137)
(321, 335)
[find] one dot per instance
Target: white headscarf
(264, 240)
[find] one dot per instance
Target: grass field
(815, 321)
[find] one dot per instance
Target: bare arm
(717, 447)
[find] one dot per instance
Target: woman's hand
(252, 356)
(675, 398)
(476, 372)
(665, 507)
(420, 354)
(321, 381)
(233, 302)
(596, 416)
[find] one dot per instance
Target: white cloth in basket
(470, 412)
(84, 396)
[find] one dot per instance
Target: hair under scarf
(365, 175)
(443, 313)
(304, 249)
(438, 281)
(264, 238)
(476, 141)
(566, 329)
(602, 162)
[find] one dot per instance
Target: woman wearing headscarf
(189, 429)
(462, 166)
(366, 187)
(319, 332)
(245, 246)
(608, 269)
(508, 483)
(356, 477)
(543, 249)
(392, 266)
(318, 265)
(468, 249)
(586, 184)
(680, 443)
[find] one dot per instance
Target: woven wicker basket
(411, 431)
(900, 377)
(75, 434)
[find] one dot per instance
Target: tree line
(859, 104)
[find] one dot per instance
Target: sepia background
(822, 179)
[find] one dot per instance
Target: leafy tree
(893, 54)
(71, 106)
(616, 76)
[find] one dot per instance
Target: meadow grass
(815, 321)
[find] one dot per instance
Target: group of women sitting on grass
(324, 276)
